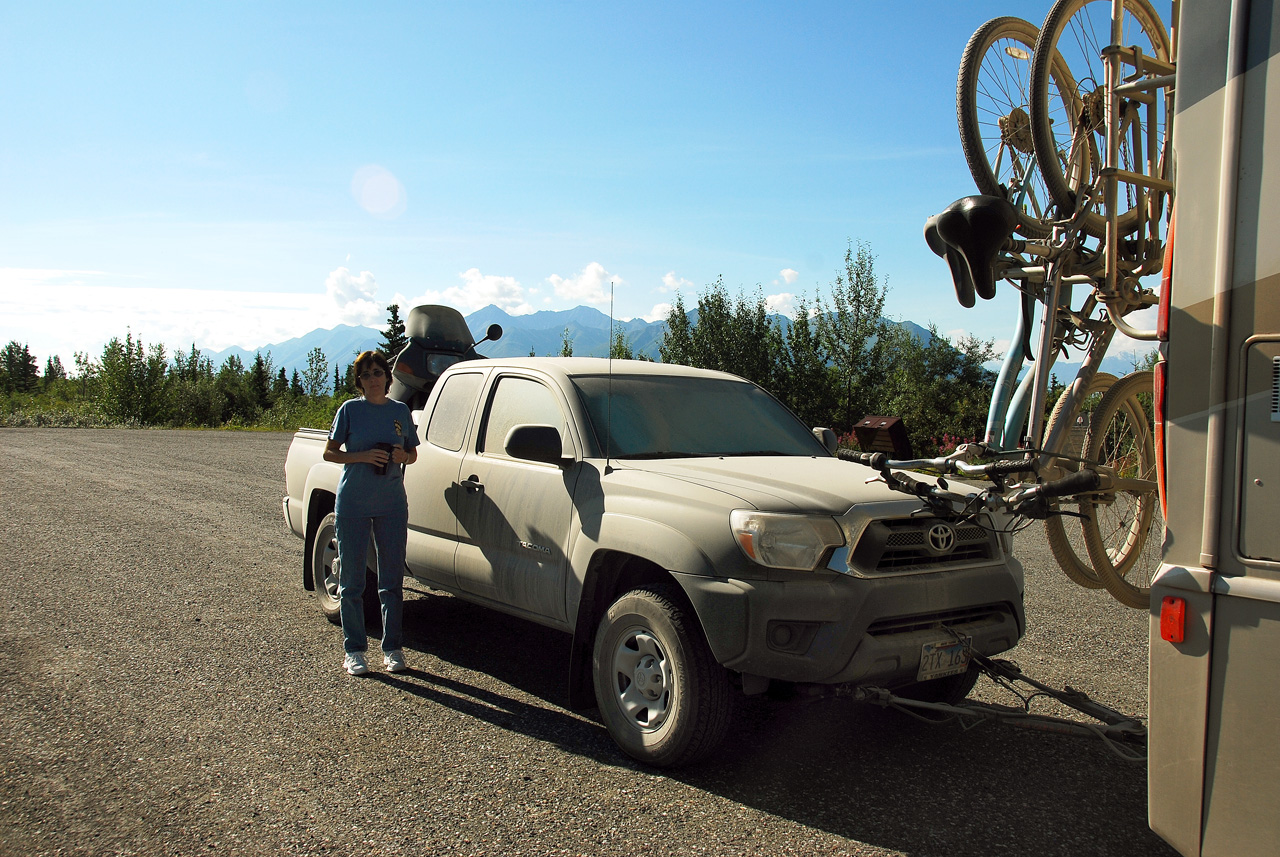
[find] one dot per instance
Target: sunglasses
(374, 373)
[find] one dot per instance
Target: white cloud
(789, 275)
(353, 297)
(588, 285)
(783, 303)
(477, 291)
(658, 313)
(379, 192)
(671, 283)
(90, 309)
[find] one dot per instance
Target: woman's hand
(400, 455)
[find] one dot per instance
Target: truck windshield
(682, 417)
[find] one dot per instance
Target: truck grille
(921, 544)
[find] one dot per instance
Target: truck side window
(453, 408)
(519, 401)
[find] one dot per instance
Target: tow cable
(1125, 736)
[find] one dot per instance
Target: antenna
(608, 432)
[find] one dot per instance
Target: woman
(379, 437)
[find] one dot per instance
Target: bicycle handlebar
(947, 464)
(1031, 502)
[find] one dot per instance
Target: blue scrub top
(361, 425)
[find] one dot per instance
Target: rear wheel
(1124, 529)
(325, 568)
(993, 101)
(662, 696)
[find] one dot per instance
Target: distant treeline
(836, 362)
(132, 384)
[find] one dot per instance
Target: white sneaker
(354, 663)
(394, 661)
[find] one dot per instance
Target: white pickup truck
(692, 535)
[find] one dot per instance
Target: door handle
(472, 483)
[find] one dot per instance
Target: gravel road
(169, 688)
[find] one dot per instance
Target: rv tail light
(1162, 378)
(1173, 619)
(1166, 282)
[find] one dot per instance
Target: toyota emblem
(942, 538)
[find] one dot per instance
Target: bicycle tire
(1068, 547)
(1076, 31)
(1119, 528)
(993, 100)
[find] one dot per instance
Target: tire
(1124, 530)
(1065, 536)
(324, 574)
(662, 696)
(993, 100)
(1070, 153)
(324, 567)
(948, 690)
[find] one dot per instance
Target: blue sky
(238, 174)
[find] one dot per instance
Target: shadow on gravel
(864, 773)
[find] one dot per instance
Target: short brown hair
(363, 362)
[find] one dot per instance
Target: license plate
(943, 658)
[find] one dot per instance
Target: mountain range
(540, 333)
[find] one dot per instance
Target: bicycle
(1087, 234)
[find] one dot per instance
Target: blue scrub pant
(390, 533)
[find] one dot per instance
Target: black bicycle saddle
(969, 234)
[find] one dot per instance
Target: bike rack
(1124, 735)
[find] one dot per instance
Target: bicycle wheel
(993, 100)
(1124, 529)
(1067, 543)
(1070, 153)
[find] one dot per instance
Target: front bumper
(829, 628)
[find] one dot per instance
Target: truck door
(432, 482)
(514, 516)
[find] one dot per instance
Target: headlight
(785, 541)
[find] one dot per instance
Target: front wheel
(662, 696)
(1067, 542)
(1124, 528)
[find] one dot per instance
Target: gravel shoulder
(170, 688)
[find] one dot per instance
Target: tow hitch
(1126, 736)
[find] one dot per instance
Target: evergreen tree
(259, 386)
(280, 386)
(295, 385)
(53, 371)
(394, 339)
(21, 373)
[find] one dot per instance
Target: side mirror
(493, 334)
(535, 443)
(827, 438)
